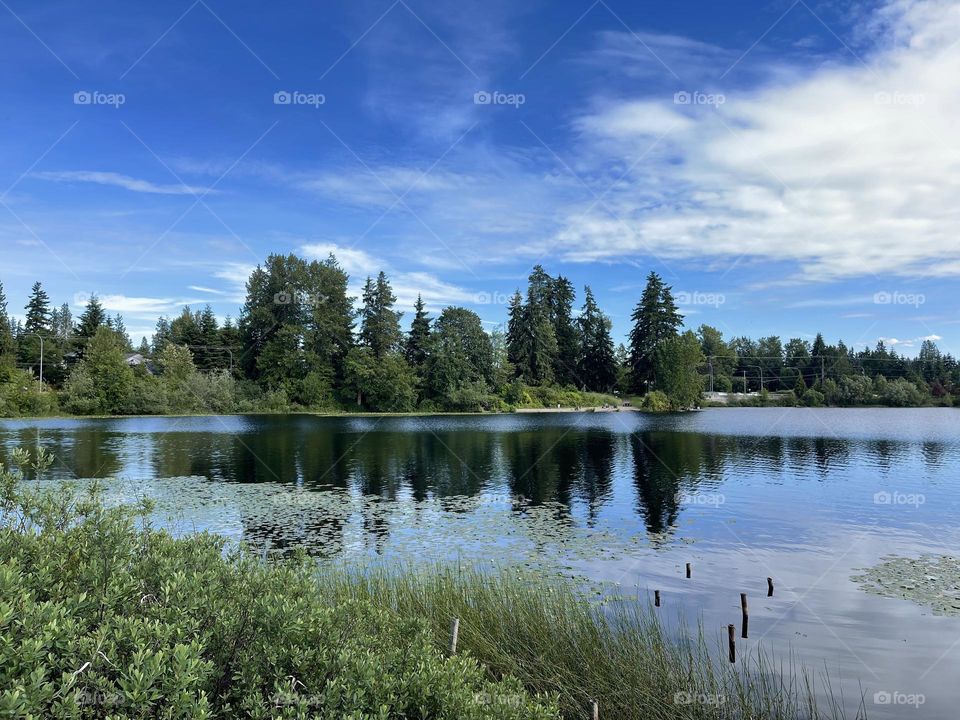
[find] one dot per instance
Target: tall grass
(556, 642)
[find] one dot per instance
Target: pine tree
(596, 364)
(161, 335)
(379, 323)
(91, 319)
(8, 343)
(37, 323)
(516, 331)
(209, 355)
(562, 296)
(419, 337)
(655, 319)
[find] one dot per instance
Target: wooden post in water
(732, 642)
(746, 615)
(656, 598)
(596, 711)
(769, 587)
(454, 632)
(688, 570)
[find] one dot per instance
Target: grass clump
(103, 616)
(556, 642)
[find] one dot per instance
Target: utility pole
(823, 377)
(711, 372)
(41, 359)
(744, 382)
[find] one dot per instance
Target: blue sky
(788, 166)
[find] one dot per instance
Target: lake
(805, 496)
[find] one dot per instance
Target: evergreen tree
(655, 320)
(144, 348)
(209, 355)
(161, 335)
(8, 343)
(516, 330)
(533, 337)
(562, 296)
(596, 365)
(91, 319)
(460, 361)
(419, 337)
(379, 323)
(37, 323)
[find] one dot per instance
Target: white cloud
(848, 171)
(406, 286)
(118, 180)
(136, 305)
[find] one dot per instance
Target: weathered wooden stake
(746, 615)
(656, 598)
(732, 642)
(596, 711)
(454, 632)
(688, 570)
(769, 587)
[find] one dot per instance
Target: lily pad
(930, 580)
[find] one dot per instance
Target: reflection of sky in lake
(742, 494)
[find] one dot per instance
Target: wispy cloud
(117, 180)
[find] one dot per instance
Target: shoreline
(518, 411)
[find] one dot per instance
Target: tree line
(301, 341)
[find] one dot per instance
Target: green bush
(20, 395)
(813, 398)
(103, 616)
(655, 401)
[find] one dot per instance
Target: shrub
(102, 617)
(20, 395)
(655, 401)
(813, 398)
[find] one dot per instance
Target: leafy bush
(903, 393)
(655, 401)
(102, 617)
(20, 395)
(813, 398)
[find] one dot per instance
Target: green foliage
(459, 363)
(102, 383)
(379, 322)
(656, 401)
(902, 393)
(20, 395)
(655, 320)
(384, 384)
(677, 364)
(596, 364)
(102, 616)
(813, 398)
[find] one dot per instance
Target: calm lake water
(805, 496)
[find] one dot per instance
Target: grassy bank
(100, 614)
